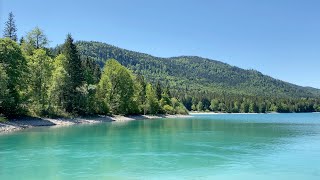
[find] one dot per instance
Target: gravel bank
(28, 122)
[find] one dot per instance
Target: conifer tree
(10, 30)
(158, 91)
(74, 74)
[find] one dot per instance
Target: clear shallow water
(264, 146)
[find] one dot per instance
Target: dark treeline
(34, 81)
(201, 101)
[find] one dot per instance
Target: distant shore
(217, 113)
(191, 113)
(29, 122)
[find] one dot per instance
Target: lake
(226, 146)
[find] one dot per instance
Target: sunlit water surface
(227, 146)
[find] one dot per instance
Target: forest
(35, 82)
(88, 78)
(209, 85)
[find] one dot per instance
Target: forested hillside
(194, 73)
(209, 85)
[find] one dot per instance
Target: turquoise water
(264, 146)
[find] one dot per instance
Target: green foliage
(214, 106)
(191, 74)
(35, 39)
(151, 100)
(14, 65)
(3, 119)
(192, 79)
(75, 77)
(193, 107)
(200, 106)
(3, 85)
(40, 68)
(59, 86)
(91, 70)
(168, 109)
(116, 88)
(158, 91)
(165, 100)
(140, 90)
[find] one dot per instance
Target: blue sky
(280, 38)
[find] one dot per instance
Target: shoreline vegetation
(39, 81)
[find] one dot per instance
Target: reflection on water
(204, 146)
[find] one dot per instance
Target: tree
(253, 108)
(193, 107)
(236, 107)
(74, 76)
(91, 71)
(14, 65)
(159, 91)
(40, 65)
(222, 107)
(3, 85)
(165, 100)
(35, 39)
(244, 108)
(10, 30)
(167, 91)
(214, 105)
(152, 101)
(200, 106)
(116, 88)
(59, 86)
(141, 93)
(187, 101)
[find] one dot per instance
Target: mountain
(192, 74)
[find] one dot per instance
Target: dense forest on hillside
(35, 82)
(85, 78)
(199, 82)
(196, 73)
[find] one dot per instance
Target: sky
(280, 38)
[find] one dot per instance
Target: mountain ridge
(195, 73)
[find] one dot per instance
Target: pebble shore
(29, 122)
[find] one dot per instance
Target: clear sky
(280, 38)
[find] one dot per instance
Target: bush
(168, 109)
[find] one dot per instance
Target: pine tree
(10, 30)
(158, 91)
(75, 76)
(91, 70)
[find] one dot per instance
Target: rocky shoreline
(29, 122)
